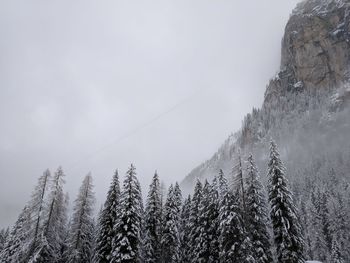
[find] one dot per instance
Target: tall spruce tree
(222, 185)
(153, 223)
(256, 216)
(4, 233)
(171, 236)
(82, 225)
(185, 230)
(107, 221)
(193, 221)
(51, 241)
(37, 205)
(127, 241)
(235, 245)
(239, 182)
(16, 246)
(207, 247)
(286, 226)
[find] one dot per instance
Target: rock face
(315, 57)
(315, 48)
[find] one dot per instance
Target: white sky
(76, 76)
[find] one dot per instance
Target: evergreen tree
(319, 225)
(107, 221)
(171, 236)
(235, 244)
(206, 250)
(4, 233)
(82, 225)
(286, 226)
(37, 205)
(239, 183)
(64, 232)
(16, 246)
(48, 249)
(222, 185)
(185, 230)
(339, 224)
(256, 215)
(127, 241)
(193, 221)
(153, 223)
(177, 198)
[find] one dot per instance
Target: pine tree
(177, 198)
(107, 221)
(319, 224)
(339, 224)
(256, 215)
(171, 236)
(127, 241)
(207, 226)
(286, 226)
(235, 244)
(193, 220)
(153, 223)
(4, 233)
(64, 232)
(51, 241)
(37, 205)
(185, 230)
(222, 185)
(239, 183)
(16, 247)
(82, 225)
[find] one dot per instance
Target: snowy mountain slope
(308, 95)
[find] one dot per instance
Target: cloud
(76, 76)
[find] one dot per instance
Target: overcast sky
(96, 85)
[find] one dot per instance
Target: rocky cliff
(315, 59)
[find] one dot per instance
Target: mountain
(306, 104)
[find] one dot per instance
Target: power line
(138, 128)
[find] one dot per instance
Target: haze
(97, 85)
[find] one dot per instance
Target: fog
(97, 85)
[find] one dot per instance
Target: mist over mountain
(306, 103)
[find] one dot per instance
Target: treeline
(224, 220)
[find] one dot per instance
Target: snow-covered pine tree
(256, 215)
(319, 224)
(239, 182)
(222, 185)
(193, 221)
(107, 221)
(82, 224)
(185, 230)
(177, 199)
(207, 246)
(202, 249)
(48, 249)
(286, 226)
(126, 243)
(235, 245)
(17, 246)
(64, 232)
(4, 233)
(339, 224)
(171, 236)
(153, 223)
(37, 205)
